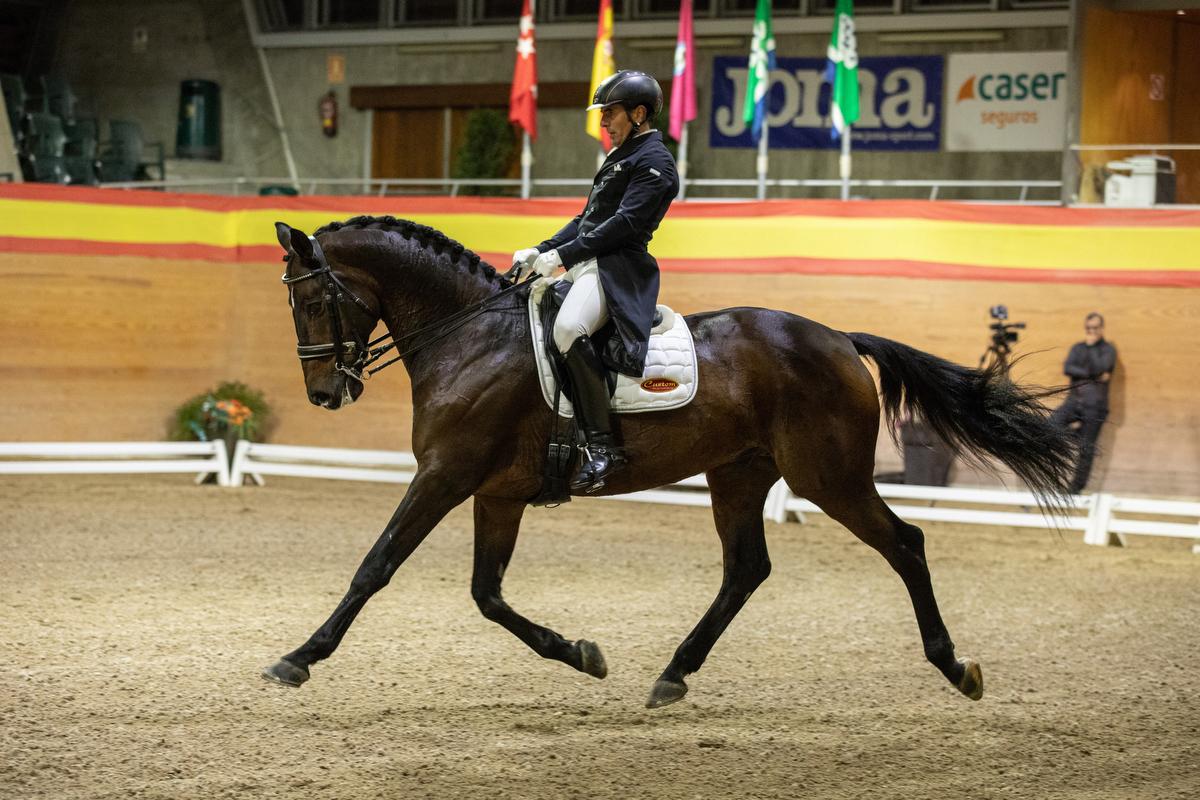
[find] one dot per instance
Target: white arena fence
(1103, 518)
(50, 458)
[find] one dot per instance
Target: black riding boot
(592, 413)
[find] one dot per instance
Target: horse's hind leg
(497, 522)
(739, 491)
(903, 545)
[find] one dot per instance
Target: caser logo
(1006, 86)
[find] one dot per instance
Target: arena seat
(122, 156)
(80, 151)
(42, 157)
(58, 99)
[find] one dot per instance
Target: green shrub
(487, 150)
(231, 408)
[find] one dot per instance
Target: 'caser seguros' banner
(900, 102)
(1006, 101)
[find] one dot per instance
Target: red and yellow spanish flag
(602, 67)
(886, 238)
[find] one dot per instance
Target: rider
(612, 274)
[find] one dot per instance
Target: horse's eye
(314, 308)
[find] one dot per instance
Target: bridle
(355, 357)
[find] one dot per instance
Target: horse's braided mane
(423, 235)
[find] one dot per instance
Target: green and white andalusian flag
(762, 61)
(842, 70)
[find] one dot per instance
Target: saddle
(668, 381)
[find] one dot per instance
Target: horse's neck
(412, 303)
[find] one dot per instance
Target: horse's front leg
(429, 498)
(497, 522)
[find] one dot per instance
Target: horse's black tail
(978, 412)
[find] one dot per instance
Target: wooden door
(412, 143)
(408, 143)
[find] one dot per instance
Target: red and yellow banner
(913, 239)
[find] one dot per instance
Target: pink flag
(683, 84)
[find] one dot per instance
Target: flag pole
(683, 161)
(762, 159)
(526, 166)
(844, 163)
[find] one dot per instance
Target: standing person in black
(1090, 366)
(613, 276)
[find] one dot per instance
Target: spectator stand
(56, 145)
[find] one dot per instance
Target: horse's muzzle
(344, 393)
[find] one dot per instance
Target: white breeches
(585, 310)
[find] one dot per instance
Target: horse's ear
(301, 244)
(283, 233)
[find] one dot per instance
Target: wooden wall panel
(1121, 50)
(106, 347)
(1185, 108)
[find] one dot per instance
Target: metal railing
(1012, 191)
(1147, 148)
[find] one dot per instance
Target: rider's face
(615, 120)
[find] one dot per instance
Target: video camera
(1004, 334)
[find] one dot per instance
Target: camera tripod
(997, 351)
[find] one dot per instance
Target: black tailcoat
(629, 197)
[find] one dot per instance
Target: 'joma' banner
(900, 104)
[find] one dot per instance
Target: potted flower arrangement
(231, 411)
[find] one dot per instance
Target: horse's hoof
(285, 673)
(591, 659)
(971, 683)
(666, 692)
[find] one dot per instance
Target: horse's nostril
(319, 398)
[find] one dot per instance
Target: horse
(780, 396)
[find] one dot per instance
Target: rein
(366, 354)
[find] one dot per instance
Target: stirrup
(594, 471)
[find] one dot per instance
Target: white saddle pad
(670, 378)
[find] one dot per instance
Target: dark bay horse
(779, 396)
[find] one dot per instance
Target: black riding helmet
(630, 89)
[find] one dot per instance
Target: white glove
(522, 259)
(546, 263)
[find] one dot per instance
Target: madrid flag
(522, 102)
(602, 67)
